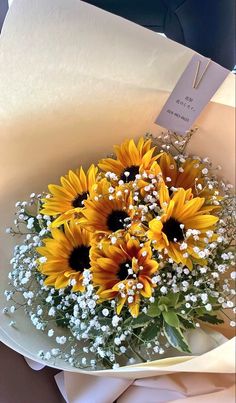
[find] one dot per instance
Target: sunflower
(131, 160)
(66, 256)
(67, 200)
(186, 175)
(110, 210)
(124, 271)
(182, 218)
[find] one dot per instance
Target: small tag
(197, 85)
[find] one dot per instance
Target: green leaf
(173, 299)
(200, 311)
(186, 323)
(170, 300)
(150, 332)
(176, 338)
(211, 319)
(128, 321)
(171, 318)
(154, 310)
(140, 321)
(163, 301)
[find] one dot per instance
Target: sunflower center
(79, 258)
(129, 174)
(172, 230)
(117, 220)
(78, 201)
(123, 273)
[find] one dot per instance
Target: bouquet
(118, 263)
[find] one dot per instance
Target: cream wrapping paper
(203, 386)
(74, 80)
(179, 387)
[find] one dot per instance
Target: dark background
(207, 26)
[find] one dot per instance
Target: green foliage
(171, 318)
(163, 304)
(140, 321)
(154, 309)
(186, 323)
(176, 338)
(150, 332)
(213, 319)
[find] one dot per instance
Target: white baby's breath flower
(113, 240)
(183, 246)
(163, 290)
(208, 307)
(130, 299)
(55, 351)
(117, 341)
(47, 356)
(50, 332)
(105, 312)
(115, 366)
(12, 309)
(52, 311)
(30, 223)
(115, 320)
(61, 340)
(42, 259)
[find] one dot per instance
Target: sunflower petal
(201, 222)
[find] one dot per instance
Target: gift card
(196, 86)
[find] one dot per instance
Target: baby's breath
(88, 330)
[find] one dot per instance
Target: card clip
(195, 82)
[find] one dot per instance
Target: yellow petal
(191, 208)
(147, 289)
(120, 305)
(201, 222)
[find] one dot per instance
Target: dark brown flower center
(133, 170)
(78, 201)
(123, 273)
(172, 230)
(79, 258)
(117, 219)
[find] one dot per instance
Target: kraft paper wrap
(74, 80)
